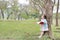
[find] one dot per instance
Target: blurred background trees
(31, 9)
(13, 10)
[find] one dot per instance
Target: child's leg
(44, 33)
(41, 34)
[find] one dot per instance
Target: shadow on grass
(35, 37)
(30, 37)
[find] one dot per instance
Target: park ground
(24, 30)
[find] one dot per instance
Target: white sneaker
(39, 36)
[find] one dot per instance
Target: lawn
(23, 30)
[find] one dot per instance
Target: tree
(38, 5)
(52, 10)
(47, 10)
(57, 13)
(49, 13)
(3, 5)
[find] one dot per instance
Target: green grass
(22, 30)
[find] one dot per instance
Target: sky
(23, 2)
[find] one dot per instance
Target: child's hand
(38, 22)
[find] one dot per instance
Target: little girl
(44, 26)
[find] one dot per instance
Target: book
(41, 23)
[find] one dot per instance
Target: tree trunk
(2, 14)
(19, 16)
(49, 13)
(52, 10)
(57, 14)
(9, 15)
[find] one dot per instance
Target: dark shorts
(45, 32)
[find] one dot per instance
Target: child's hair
(45, 17)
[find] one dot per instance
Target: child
(44, 26)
